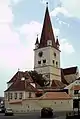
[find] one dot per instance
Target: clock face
(40, 54)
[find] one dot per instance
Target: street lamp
(78, 100)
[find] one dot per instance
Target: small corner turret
(37, 43)
(57, 42)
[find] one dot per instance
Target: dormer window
(49, 42)
(44, 61)
(40, 54)
(23, 78)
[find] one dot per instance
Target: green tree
(37, 78)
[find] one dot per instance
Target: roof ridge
(69, 67)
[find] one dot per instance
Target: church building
(23, 94)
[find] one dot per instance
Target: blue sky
(21, 21)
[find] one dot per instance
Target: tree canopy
(38, 78)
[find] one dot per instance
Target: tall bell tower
(47, 53)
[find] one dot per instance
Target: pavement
(32, 115)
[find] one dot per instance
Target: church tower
(47, 53)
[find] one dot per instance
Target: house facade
(55, 100)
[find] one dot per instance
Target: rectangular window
(44, 61)
(10, 95)
(75, 103)
(29, 94)
(53, 61)
(75, 91)
(6, 96)
(39, 62)
(20, 95)
(15, 95)
(54, 54)
(56, 63)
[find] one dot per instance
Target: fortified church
(46, 62)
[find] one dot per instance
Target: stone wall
(36, 105)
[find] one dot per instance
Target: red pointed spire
(47, 31)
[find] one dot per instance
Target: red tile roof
(57, 84)
(38, 86)
(76, 87)
(15, 102)
(63, 78)
(21, 85)
(47, 31)
(70, 70)
(19, 75)
(56, 96)
(78, 78)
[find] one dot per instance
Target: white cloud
(62, 22)
(6, 15)
(63, 11)
(69, 8)
(72, 6)
(66, 47)
(8, 36)
(58, 10)
(31, 28)
(30, 32)
(12, 52)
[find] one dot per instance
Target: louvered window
(44, 61)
